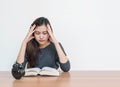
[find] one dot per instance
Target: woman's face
(41, 35)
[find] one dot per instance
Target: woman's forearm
(21, 55)
(62, 57)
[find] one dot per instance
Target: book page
(49, 71)
(32, 71)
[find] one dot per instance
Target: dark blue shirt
(48, 57)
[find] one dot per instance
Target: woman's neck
(44, 45)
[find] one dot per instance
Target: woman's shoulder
(52, 44)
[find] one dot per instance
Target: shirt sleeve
(64, 66)
(25, 61)
(62, 48)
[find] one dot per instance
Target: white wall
(89, 30)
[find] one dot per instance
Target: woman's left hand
(52, 38)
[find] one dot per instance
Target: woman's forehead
(41, 28)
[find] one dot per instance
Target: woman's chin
(41, 43)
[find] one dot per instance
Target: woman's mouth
(41, 40)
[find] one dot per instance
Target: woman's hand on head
(29, 35)
(51, 38)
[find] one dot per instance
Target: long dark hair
(33, 45)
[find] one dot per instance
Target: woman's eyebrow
(39, 31)
(44, 31)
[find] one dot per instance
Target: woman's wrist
(24, 41)
(55, 41)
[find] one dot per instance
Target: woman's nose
(41, 36)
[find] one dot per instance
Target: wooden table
(71, 79)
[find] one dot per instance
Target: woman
(39, 49)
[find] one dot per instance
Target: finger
(31, 37)
(48, 26)
(32, 27)
(33, 31)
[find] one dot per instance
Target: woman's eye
(45, 32)
(36, 32)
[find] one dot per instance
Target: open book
(46, 71)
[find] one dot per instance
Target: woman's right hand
(29, 35)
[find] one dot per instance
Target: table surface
(66, 79)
